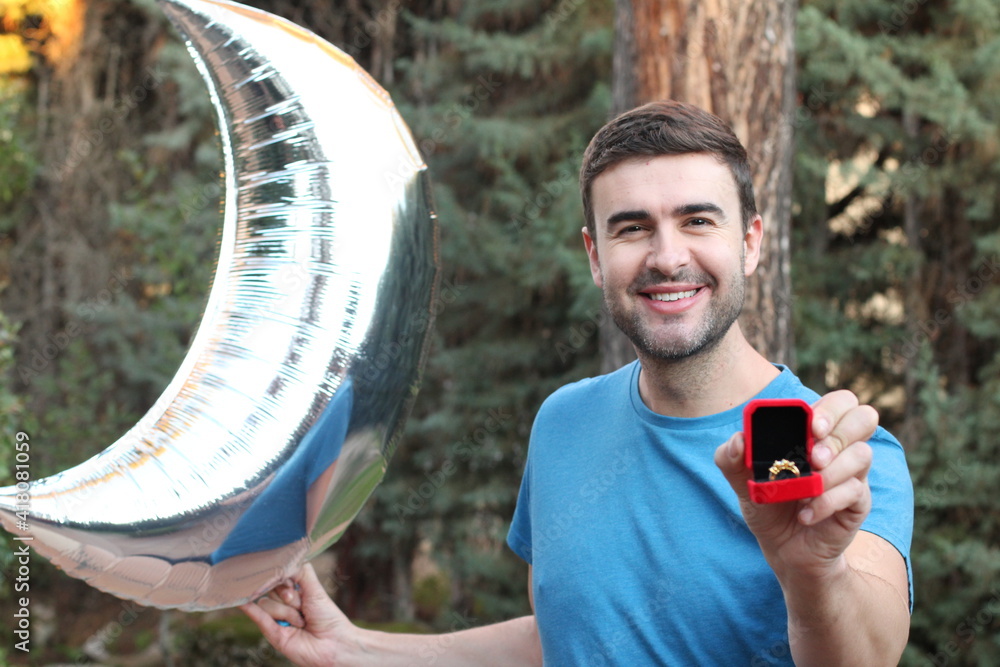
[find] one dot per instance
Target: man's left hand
(809, 537)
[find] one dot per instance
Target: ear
(595, 264)
(751, 245)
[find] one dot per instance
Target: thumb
(729, 459)
(320, 613)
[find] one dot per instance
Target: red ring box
(776, 429)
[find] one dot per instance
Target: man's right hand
(318, 632)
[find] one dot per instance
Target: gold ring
(784, 465)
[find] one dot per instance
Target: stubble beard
(721, 314)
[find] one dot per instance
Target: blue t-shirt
(639, 552)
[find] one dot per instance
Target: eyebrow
(680, 211)
(700, 207)
(628, 216)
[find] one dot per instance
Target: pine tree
(897, 271)
(502, 98)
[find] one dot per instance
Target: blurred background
(873, 128)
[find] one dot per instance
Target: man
(640, 551)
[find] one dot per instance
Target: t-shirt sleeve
(891, 516)
(519, 535)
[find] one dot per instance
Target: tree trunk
(735, 59)
(92, 103)
(915, 303)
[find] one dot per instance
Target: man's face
(670, 253)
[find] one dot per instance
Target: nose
(668, 251)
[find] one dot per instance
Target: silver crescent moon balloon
(285, 411)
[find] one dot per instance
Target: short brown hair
(665, 128)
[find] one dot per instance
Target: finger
(279, 611)
(308, 582)
(857, 424)
(729, 457)
(272, 632)
(316, 603)
(852, 499)
(288, 593)
(829, 409)
(853, 462)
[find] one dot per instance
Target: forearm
(850, 617)
(513, 642)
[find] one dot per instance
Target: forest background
(109, 215)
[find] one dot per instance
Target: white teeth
(673, 296)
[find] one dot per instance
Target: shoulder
(592, 392)
(882, 438)
(788, 385)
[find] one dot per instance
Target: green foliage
(95, 351)
(957, 557)
(228, 640)
(502, 107)
(897, 272)
(17, 162)
(11, 406)
(17, 172)
(124, 342)
(431, 595)
(502, 98)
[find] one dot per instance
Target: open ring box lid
(775, 430)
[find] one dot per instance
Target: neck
(708, 382)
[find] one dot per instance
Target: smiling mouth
(672, 296)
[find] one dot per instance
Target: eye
(628, 230)
(699, 222)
